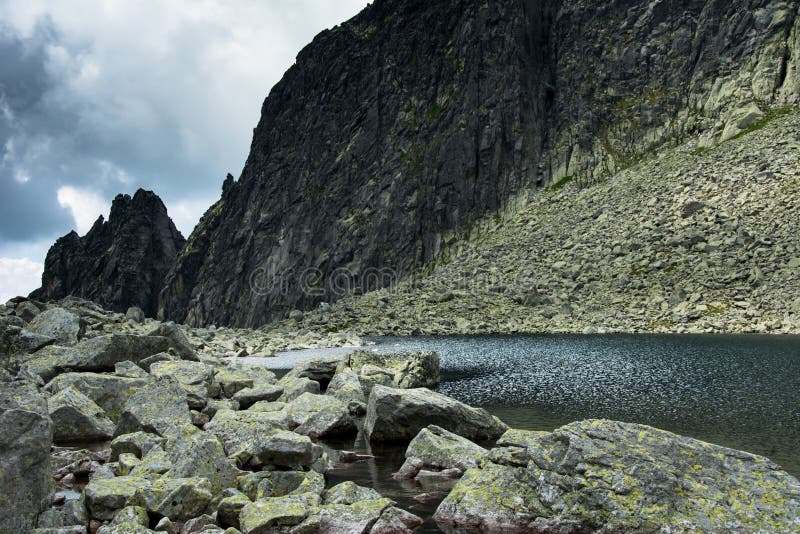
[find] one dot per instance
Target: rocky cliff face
(397, 129)
(119, 263)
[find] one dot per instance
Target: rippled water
(740, 391)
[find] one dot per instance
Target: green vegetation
(559, 185)
(770, 116)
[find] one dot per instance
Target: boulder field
(123, 425)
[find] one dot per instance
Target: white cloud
(85, 206)
(19, 276)
(186, 213)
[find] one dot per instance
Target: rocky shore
(115, 424)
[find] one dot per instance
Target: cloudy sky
(99, 97)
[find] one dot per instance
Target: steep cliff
(119, 263)
(396, 130)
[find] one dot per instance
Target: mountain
(119, 263)
(397, 130)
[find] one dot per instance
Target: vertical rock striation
(399, 128)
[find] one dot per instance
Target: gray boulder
(294, 386)
(107, 495)
(201, 455)
(609, 476)
(95, 354)
(179, 499)
(358, 517)
(57, 323)
(273, 515)
(135, 314)
(77, 418)
(320, 416)
(399, 415)
(159, 409)
(25, 441)
(178, 340)
(263, 392)
(348, 493)
(193, 378)
(242, 432)
(437, 448)
(404, 370)
(317, 369)
(129, 369)
(346, 387)
(110, 392)
(393, 520)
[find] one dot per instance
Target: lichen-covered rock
(294, 386)
(155, 462)
(178, 340)
(230, 507)
(201, 455)
(399, 415)
(393, 520)
(348, 493)
(263, 392)
(440, 449)
(179, 499)
(77, 418)
(317, 369)
(242, 433)
(129, 369)
(346, 386)
(268, 515)
(129, 520)
(110, 392)
(320, 416)
(160, 408)
(403, 370)
(95, 354)
(60, 324)
(107, 495)
(137, 443)
(280, 483)
(622, 477)
(26, 435)
(72, 512)
(515, 437)
(194, 378)
(358, 517)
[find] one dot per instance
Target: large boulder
(160, 408)
(256, 438)
(404, 370)
(320, 416)
(358, 517)
(95, 354)
(104, 496)
(267, 516)
(263, 392)
(25, 441)
(193, 378)
(110, 392)
(57, 323)
(317, 369)
(399, 415)
(609, 476)
(201, 455)
(436, 448)
(178, 340)
(77, 418)
(294, 386)
(346, 387)
(179, 499)
(137, 443)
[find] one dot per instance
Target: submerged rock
(622, 477)
(399, 415)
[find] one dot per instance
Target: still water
(740, 391)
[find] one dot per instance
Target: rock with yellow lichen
(622, 477)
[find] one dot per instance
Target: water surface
(740, 391)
